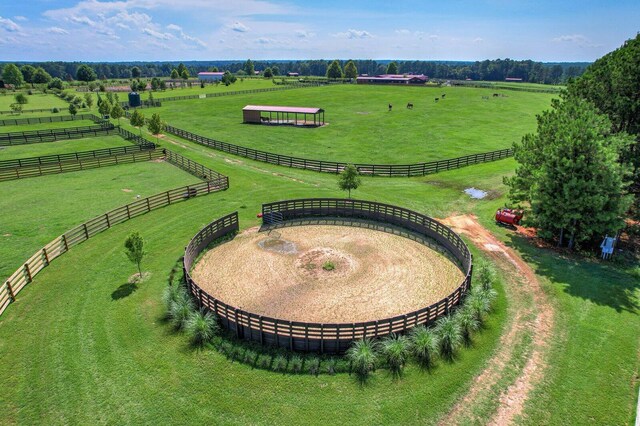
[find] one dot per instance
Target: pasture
(41, 126)
(361, 129)
(35, 101)
(110, 356)
(60, 147)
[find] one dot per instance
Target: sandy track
(377, 274)
(530, 313)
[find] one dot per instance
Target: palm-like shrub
(331, 366)
(363, 357)
(449, 336)
(313, 365)
(468, 324)
(180, 311)
(479, 302)
(170, 294)
(485, 273)
(296, 364)
(424, 345)
(202, 327)
(280, 363)
(395, 350)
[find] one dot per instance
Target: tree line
(489, 70)
(579, 174)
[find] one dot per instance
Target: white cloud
(354, 34)
(478, 40)
(239, 27)
(174, 27)
(84, 20)
(265, 40)
(8, 25)
(578, 39)
(157, 34)
(403, 32)
(20, 18)
(57, 30)
(304, 34)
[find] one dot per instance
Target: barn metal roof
(299, 110)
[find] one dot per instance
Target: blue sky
(115, 30)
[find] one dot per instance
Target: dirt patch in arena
(326, 273)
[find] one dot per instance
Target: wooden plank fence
(328, 337)
(50, 119)
(72, 157)
(389, 170)
(135, 156)
(52, 135)
(43, 257)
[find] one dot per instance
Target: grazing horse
(390, 106)
(443, 95)
(409, 105)
(495, 95)
(436, 99)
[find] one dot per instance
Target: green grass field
(61, 147)
(35, 101)
(42, 126)
(50, 205)
(361, 129)
(109, 356)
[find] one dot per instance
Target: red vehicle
(509, 217)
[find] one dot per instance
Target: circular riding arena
(321, 273)
(326, 273)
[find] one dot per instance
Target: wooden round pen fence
(328, 337)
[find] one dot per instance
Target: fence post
(46, 256)
(148, 205)
(12, 295)
(128, 214)
(64, 240)
(28, 271)
(86, 231)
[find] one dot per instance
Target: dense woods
(490, 70)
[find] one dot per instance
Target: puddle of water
(475, 193)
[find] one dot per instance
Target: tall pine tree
(570, 174)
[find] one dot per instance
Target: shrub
(236, 353)
(331, 366)
(313, 365)
(55, 110)
(424, 345)
(479, 302)
(249, 356)
(486, 274)
(171, 294)
(180, 311)
(449, 336)
(226, 348)
(328, 266)
(202, 326)
(280, 363)
(395, 350)
(264, 361)
(296, 364)
(363, 357)
(468, 324)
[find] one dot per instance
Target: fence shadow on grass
(598, 282)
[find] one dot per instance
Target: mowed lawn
(361, 129)
(112, 359)
(36, 210)
(45, 126)
(61, 147)
(35, 101)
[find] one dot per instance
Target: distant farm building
(210, 76)
(292, 74)
(393, 79)
(296, 116)
(516, 79)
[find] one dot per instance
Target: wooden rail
(43, 257)
(328, 337)
(389, 170)
(52, 135)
